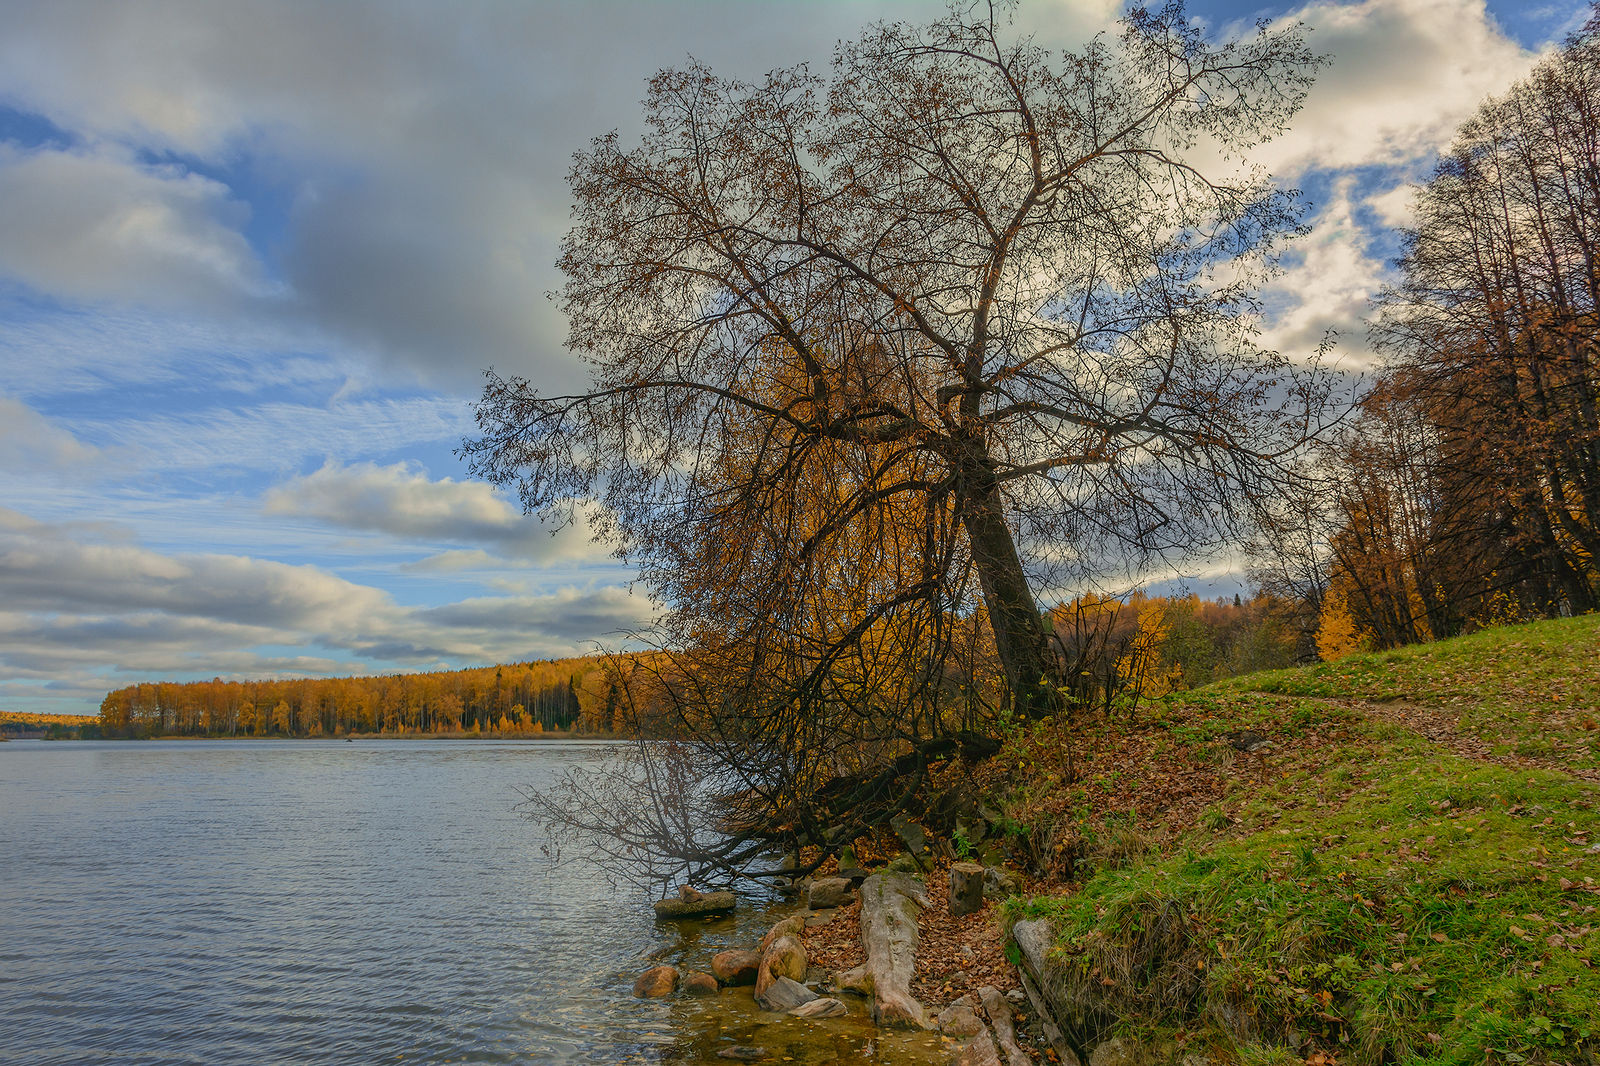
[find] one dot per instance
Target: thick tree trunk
(1013, 613)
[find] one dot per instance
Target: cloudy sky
(255, 256)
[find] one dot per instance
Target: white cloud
(98, 226)
(1405, 74)
(1329, 283)
(403, 502)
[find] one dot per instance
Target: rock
(966, 888)
(912, 835)
(656, 982)
(793, 925)
(785, 957)
(1116, 1052)
(858, 980)
(830, 892)
(742, 1053)
(847, 857)
(820, 918)
(785, 994)
(698, 984)
(971, 829)
(820, 1008)
(689, 894)
(704, 903)
(660, 951)
(737, 967)
(889, 906)
(1003, 1026)
(979, 1051)
(961, 1018)
(903, 863)
(999, 883)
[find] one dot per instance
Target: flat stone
(829, 892)
(742, 1053)
(656, 982)
(736, 967)
(699, 984)
(820, 1008)
(785, 994)
(821, 918)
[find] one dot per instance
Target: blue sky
(255, 257)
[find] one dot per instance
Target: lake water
(367, 902)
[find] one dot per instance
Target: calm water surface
(329, 902)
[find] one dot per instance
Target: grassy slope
(1366, 894)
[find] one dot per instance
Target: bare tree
(965, 320)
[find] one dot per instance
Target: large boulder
(830, 892)
(785, 957)
(692, 904)
(912, 835)
(656, 982)
(890, 903)
(736, 967)
(793, 925)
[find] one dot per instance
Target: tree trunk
(1013, 613)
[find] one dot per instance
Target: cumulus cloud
(402, 501)
(1405, 73)
(1329, 283)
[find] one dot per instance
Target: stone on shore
(737, 967)
(999, 883)
(966, 888)
(889, 906)
(793, 925)
(829, 892)
(785, 994)
(699, 984)
(820, 1008)
(1004, 1026)
(961, 1018)
(912, 835)
(656, 982)
(786, 957)
(703, 903)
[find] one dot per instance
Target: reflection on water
(328, 902)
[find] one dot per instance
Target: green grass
(1527, 690)
(1368, 896)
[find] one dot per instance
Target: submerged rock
(703, 903)
(656, 982)
(742, 1053)
(699, 984)
(737, 967)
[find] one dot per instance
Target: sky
(254, 258)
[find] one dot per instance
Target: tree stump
(966, 888)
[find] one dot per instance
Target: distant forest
(520, 699)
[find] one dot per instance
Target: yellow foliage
(1337, 635)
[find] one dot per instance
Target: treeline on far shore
(531, 698)
(15, 725)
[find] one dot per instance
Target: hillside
(1388, 858)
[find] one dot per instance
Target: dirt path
(1443, 728)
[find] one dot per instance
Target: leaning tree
(877, 357)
